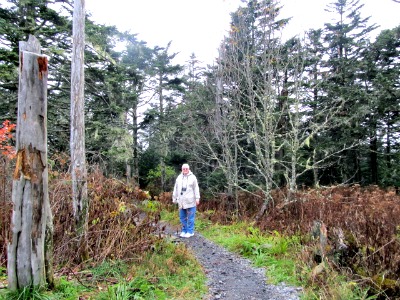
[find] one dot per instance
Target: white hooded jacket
(186, 198)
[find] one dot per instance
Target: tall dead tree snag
(77, 138)
(29, 250)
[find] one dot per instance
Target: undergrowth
(347, 237)
(130, 260)
(128, 257)
(281, 256)
(169, 271)
(272, 250)
(26, 293)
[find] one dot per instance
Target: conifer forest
(299, 136)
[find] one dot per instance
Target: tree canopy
(312, 110)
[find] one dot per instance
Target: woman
(187, 195)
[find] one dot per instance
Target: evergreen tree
(345, 40)
(51, 26)
(115, 88)
(167, 91)
(381, 83)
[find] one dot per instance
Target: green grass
(280, 255)
(264, 250)
(66, 290)
(170, 216)
(110, 269)
(27, 293)
(168, 271)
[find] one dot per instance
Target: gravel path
(232, 277)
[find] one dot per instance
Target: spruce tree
(345, 40)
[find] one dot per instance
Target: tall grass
(281, 256)
(168, 272)
(272, 249)
(26, 293)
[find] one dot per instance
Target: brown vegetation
(118, 229)
(5, 208)
(354, 229)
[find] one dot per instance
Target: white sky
(199, 25)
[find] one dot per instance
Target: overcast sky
(199, 25)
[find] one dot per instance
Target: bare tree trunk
(315, 170)
(135, 171)
(31, 219)
(49, 247)
(128, 171)
(163, 150)
(77, 142)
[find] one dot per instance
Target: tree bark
(135, 172)
(373, 154)
(163, 149)
(77, 139)
(31, 217)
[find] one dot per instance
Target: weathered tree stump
(30, 248)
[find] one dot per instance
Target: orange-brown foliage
(6, 135)
(368, 217)
(5, 206)
(117, 228)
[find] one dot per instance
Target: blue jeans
(187, 219)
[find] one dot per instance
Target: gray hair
(185, 166)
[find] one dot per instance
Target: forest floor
(230, 276)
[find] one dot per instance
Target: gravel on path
(232, 277)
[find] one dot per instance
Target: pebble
(231, 277)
